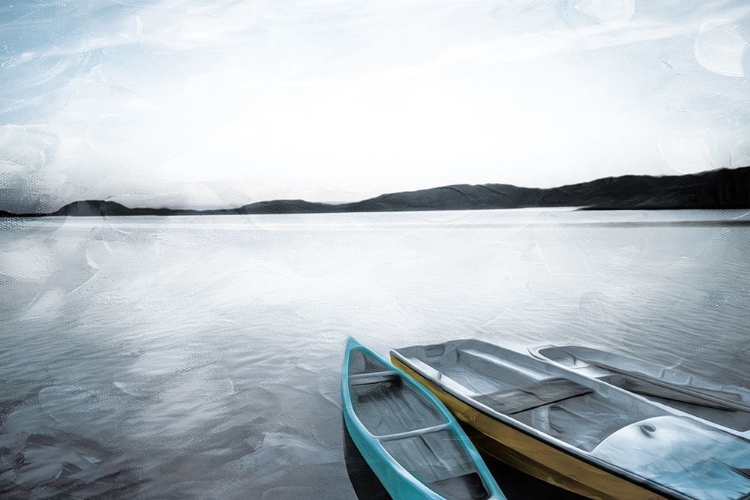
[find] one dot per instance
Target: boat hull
(533, 456)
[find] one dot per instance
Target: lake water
(199, 357)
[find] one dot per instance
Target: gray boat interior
(530, 391)
(411, 429)
(691, 394)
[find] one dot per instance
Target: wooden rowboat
(577, 432)
(408, 438)
(726, 406)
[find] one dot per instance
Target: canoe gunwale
(546, 439)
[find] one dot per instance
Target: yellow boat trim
(534, 457)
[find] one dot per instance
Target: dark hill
(716, 189)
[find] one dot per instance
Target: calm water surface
(199, 357)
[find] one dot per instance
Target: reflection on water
(519, 486)
(200, 357)
(366, 484)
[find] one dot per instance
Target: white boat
(722, 405)
(574, 431)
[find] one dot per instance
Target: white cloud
(720, 48)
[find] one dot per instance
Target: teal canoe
(410, 440)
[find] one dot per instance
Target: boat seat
(373, 378)
(542, 393)
(413, 433)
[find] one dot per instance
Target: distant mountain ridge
(716, 189)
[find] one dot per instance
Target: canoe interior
(697, 396)
(412, 430)
(599, 422)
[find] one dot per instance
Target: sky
(221, 103)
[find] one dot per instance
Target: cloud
(26, 179)
(720, 48)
